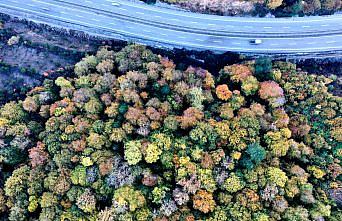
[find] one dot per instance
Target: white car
(116, 4)
(256, 41)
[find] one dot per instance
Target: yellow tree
(272, 4)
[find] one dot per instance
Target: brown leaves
(37, 155)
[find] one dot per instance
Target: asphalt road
(171, 28)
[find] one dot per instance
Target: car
(116, 4)
(256, 41)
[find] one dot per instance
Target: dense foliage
(261, 7)
(132, 138)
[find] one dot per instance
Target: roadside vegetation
(131, 137)
(279, 8)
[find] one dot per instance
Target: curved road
(172, 28)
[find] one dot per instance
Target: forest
(131, 136)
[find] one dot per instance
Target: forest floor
(39, 51)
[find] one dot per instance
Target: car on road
(116, 4)
(256, 41)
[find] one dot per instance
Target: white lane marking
(89, 2)
(113, 2)
(182, 37)
(32, 5)
(217, 41)
(140, 13)
(54, 5)
(174, 19)
(306, 26)
(63, 12)
(330, 42)
(274, 44)
(319, 37)
(267, 27)
(105, 5)
(194, 22)
(163, 34)
(92, 13)
(148, 31)
(293, 43)
(187, 43)
(286, 27)
(246, 26)
(225, 18)
(79, 16)
(236, 43)
(261, 19)
(14, 1)
(214, 18)
(94, 19)
(130, 27)
(211, 24)
(324, 25)
(112, 23)
(80, 22)
(311, 43)
(197, 39)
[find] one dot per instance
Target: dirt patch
(40, 49)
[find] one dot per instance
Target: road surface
(171, 28)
